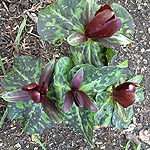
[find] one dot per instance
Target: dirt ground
(63, 137)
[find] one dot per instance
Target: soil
(63, 137)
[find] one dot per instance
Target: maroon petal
(16, 96)
(50, 109)
(88, 103)
(68, 101)
(124, 98)
(127, 85)
(78, 98)
(103, 8)
(45, 89)
(107, 30)
(98, 21)
(46, 74)
(77, 79)
(35, 96)
(30, 86)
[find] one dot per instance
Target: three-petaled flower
(38, 93)
(103, 24)
(80, 98)
(124, 94)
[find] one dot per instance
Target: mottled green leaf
(76, 38)
(139, 94)
(96, 79)
(126, 19)
(61, 80)
(136, 79)
(82, 120)
(90, 52)
(139, 90)
(125, 75)
(115, 39)
(122, 116)
(25, 70)
(31, 115)
(105, 105)
(111, 112)
(62, 18)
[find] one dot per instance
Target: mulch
(63, 137)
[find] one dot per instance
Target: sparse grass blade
(139, 147)
(39, 142)
(17, 41)
(2, 65)
(3, 117)
(127, 145)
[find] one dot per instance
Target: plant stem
(2, 65)
(39, 141)
(3, 117)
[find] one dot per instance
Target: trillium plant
(84, 90)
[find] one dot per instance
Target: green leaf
(122, 116)
(110, 54)
(116, 39)
(139, 94)
(62, 18)
(126, 19)
(31, 115)
(139, 90)
(136, 79)
(123, 64)
(125, 75)
(76, 38)
(90, 52)
(105, 105)
(111, 112)
(82, 120)
(25, 71)
(96, 79)
(61, 80)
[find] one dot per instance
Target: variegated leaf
(82, 120)
(90, 52)
(126, 19)
(62, 18)
(61, 80)
(96, 80)
(31, 115)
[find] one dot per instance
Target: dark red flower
(104, 24)
(38, 92)
(80, 98)
(124, 94)
(35, 91)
